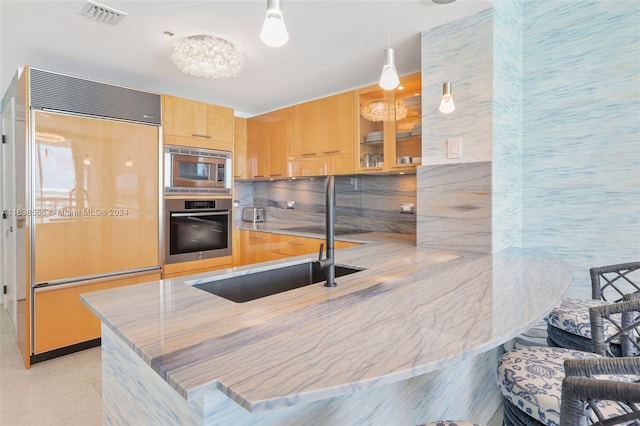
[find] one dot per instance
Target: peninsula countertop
(412, 311)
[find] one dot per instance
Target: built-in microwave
(196, 170)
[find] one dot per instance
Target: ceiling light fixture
(389, 78)
(381, 111)
(207, 56)
(274, 31)
(446, 105)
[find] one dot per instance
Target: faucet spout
(330, 229)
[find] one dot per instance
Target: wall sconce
(274, 31)
(129, 162)
(446, 105)
(87, 160)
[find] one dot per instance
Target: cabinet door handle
(259, 238)
(275, 174)
(195, 135)
(306, 154)
(236, 176)
(258, 175)
(295, 243)
(331, 152)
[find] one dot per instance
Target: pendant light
(274, 31)
(389, 78)
(446, 105)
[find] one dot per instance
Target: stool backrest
(624, 318)
(581, 389)
(612, 282)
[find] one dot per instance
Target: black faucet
(329, 263)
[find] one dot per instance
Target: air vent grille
(101, 13)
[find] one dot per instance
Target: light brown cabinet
(324, 129)
(307, 127)
(269, 138)
(240, 158)
(338, 124)
(256, 246)
(198, 124)
(62, 318)
(389, 130)
(173, 270)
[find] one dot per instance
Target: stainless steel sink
(243, 288)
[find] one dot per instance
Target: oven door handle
(199, 214)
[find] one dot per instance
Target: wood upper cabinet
(197, 124)
(269, 138)
(280, 131)
(307, 129)
(241, 160)
(338, 124)
(389, 130)
(324, 129)
(257, 148)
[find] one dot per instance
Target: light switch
(454, 148)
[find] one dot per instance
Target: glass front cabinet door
(390, 127)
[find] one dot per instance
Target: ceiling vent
(101, 13)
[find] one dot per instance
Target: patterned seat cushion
(531, 380)
(572, 316)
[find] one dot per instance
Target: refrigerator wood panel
(96, 197)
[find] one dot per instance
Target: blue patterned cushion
(531, 379)
(572, 316)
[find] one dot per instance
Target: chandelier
(207, 56)
(381, 111)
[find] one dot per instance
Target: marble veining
(366, 202)
(459, 52)
(405, 316)
(455, 206)
(464, 390)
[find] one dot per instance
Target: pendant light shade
(389, 78)
(274, 31)
(446, 105)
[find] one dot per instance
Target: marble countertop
(412, 311)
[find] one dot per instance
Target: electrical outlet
(291, 205)
(407, 208)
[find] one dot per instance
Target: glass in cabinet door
(408, 125)
(373, 111)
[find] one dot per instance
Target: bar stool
(532, 379)
(568, 323)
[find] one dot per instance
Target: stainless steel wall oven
(197, 229)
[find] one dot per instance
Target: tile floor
(62, 391)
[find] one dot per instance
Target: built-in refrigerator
(94, 190)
